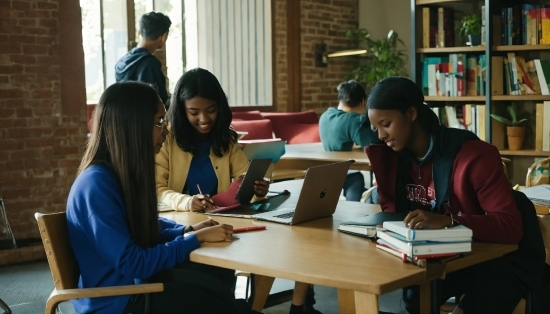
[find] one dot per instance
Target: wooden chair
(64, 267)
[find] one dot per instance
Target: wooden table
(303, 156)
(315, 252)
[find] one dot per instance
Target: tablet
(256, 171)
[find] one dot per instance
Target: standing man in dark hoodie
(139, 64)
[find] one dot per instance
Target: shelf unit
(493, 103)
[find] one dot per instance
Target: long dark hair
(200, 82)
(400, 93)
(122, 137)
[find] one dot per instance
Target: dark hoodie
(140, 65)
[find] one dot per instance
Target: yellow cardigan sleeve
(172, 168)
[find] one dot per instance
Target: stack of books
(415, 244)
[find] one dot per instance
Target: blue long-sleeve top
(104, 249)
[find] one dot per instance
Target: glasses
(162, 124)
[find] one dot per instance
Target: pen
(245, 229)
(199, 187)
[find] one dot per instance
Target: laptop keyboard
(285, 215)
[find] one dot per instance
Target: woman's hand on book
(419, 219)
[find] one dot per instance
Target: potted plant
(514, 131)
(384, 58)
(470, 27)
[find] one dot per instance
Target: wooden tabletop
(303, 156)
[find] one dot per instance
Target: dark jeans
(191, 288)
(354, 186)
(490, 287)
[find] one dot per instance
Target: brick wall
(279, 55)
(42, 120)
(322, 21)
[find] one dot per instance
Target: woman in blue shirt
(113, 223)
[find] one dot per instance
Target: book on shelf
(545, 25)
(542, 68)
(539, 123)
(546, 127)
(527, 86)
(538, 194)
(429, 27)
(423, 247)
(533, 77)
(458, 233)
(522, 24)
(366, 226)
(445, 28)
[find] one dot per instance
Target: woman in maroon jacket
(444, 177)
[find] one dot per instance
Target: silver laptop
(318, 198)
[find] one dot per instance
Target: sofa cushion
(257, 129)
(277, 118)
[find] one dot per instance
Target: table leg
(425, 297)
(366, 302)
(350, 301)
(261, 292)
(346, 301)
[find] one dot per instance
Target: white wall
(381, 16)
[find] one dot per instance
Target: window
(230, 38)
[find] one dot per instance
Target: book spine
(532, 74)
(539, 122)
(546, 127)
(542, 79)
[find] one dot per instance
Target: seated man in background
(139, 64)
(343, 127)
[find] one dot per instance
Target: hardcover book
(423, 247)
(457, 233)
(366, 226)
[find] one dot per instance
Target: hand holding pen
(201, 202)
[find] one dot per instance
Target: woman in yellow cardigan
(202, 150)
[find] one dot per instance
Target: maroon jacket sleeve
(481, 197)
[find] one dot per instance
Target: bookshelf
(493, 101)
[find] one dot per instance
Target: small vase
(515, 137)
(475, 40)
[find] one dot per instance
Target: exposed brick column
(40, 143)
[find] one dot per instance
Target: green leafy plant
(384, 57)
(469, 25)
(512, 111)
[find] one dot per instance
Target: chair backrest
(247, 115)
(257, 129)
(538, 173)
(63, 264)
